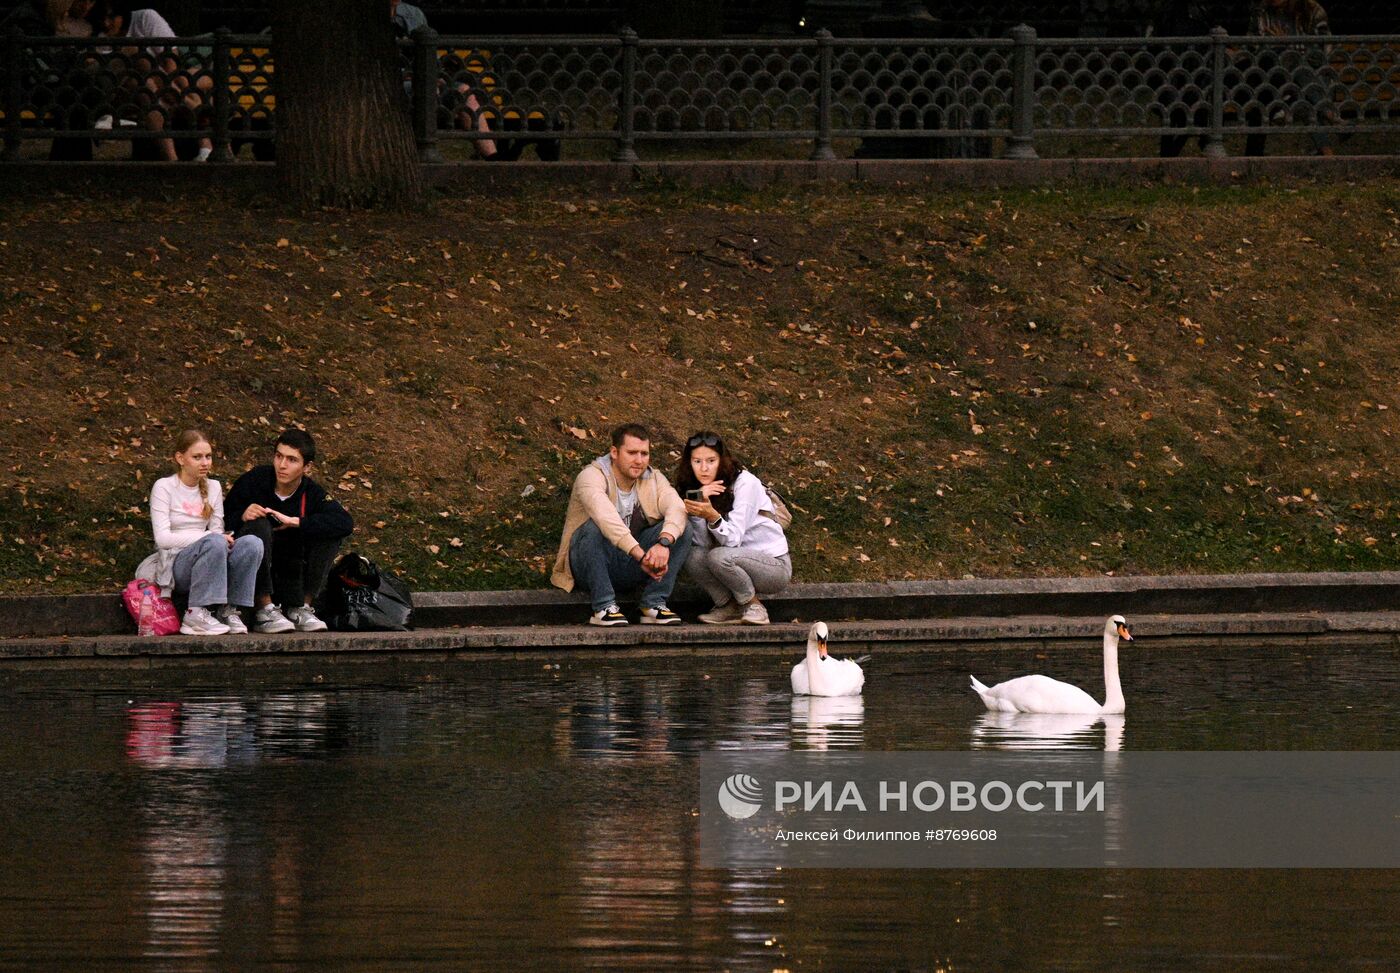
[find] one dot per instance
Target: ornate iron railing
(1006, 94)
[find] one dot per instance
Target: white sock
(204, 154)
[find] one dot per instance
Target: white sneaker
(229, 616)
(198, 621)
(305, 619)
(728, 613)
(103, 124)
(755, 614)
(612, 615)
(269, 620)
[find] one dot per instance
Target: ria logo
(740, 796)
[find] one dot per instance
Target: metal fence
(1003, 96)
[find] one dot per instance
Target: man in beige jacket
(625, 527)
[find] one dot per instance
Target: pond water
(508, 815)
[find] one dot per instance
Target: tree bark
(344, 138)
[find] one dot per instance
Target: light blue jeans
(215, 574)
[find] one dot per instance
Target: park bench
(255, 101)
(250, 81)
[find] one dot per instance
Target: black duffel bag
(359, 597)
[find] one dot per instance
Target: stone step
(103, 614)
(1049, 633)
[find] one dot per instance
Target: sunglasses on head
(707, 440)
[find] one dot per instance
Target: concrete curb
(1048, 634)
(96, 615)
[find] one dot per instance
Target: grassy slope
(998, 384)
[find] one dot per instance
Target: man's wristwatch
(664, 542)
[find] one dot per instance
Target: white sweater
(177, 513)
(745, 525)
(177, 521)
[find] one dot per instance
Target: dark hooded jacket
(321, 517)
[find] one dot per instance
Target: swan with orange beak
(1041, 694)
(820, 674)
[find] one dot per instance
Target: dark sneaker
(611, 615)
(660, 615)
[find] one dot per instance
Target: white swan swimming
(823, 675)
(1041, 694)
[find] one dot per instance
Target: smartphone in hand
(697, 495)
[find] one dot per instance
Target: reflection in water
(185, 838)
(184, 851)
(1048, 731)
(826, 722)
(1063, 731)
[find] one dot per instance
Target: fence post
(1022, 143)
(425, 97)
(821, 150)
(14, 91)
(627, 98)
(223, 97)
(1215, 140)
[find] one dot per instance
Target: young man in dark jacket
(301, 530)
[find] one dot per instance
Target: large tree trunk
(343, 132)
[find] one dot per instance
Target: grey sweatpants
(734, 573)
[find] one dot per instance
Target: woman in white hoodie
(194, 554)
(740, 550)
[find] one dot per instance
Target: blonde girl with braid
(195, 556)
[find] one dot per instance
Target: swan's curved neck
(1113, 689)
(815, 678)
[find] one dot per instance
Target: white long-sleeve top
(177, 521)
(745, 525)
(177, 513)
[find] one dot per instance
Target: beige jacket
(594, 498)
